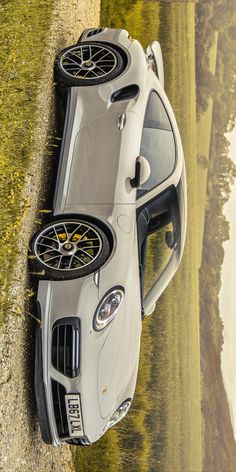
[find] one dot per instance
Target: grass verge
(23, 36)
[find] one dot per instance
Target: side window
(157, 143)
(156, 116)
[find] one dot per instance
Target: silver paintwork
(97, 161)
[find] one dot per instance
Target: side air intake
(95, 31)
(125, 93)
(65, 346)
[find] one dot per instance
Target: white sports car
(116, 236)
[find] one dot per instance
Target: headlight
(119, 414)
(108, 308)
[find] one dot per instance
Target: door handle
(121, 121)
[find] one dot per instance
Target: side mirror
(169, 238)
(142, 172)
(150, 310)
(170, 241)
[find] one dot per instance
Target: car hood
(117, 364)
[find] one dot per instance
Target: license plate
(74, 418)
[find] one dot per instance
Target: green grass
(23, 33)
(162, 432)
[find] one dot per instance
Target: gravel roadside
(21, 446)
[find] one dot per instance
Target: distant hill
(211, 16)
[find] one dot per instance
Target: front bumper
(60, 303)
(46, 419)
(40, 390)
(49, 415)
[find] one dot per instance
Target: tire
(68, 249)
(71, 70)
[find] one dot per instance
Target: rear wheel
(88, 63)
(68, 249)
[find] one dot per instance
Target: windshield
(158, 254)
(158, 236)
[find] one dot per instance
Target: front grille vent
(58, 394)
(95, 31)
(65, 346)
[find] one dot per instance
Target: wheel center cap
(68, 246)
(88, 65)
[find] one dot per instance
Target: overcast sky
(228, 296)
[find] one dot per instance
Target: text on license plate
(74, 418)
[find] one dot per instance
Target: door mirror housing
(145, 170)
(169, 238)
(142, 172)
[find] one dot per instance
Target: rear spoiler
(154, 54)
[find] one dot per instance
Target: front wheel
(69, 249)
(87, 63)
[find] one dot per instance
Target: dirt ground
(21, 446)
